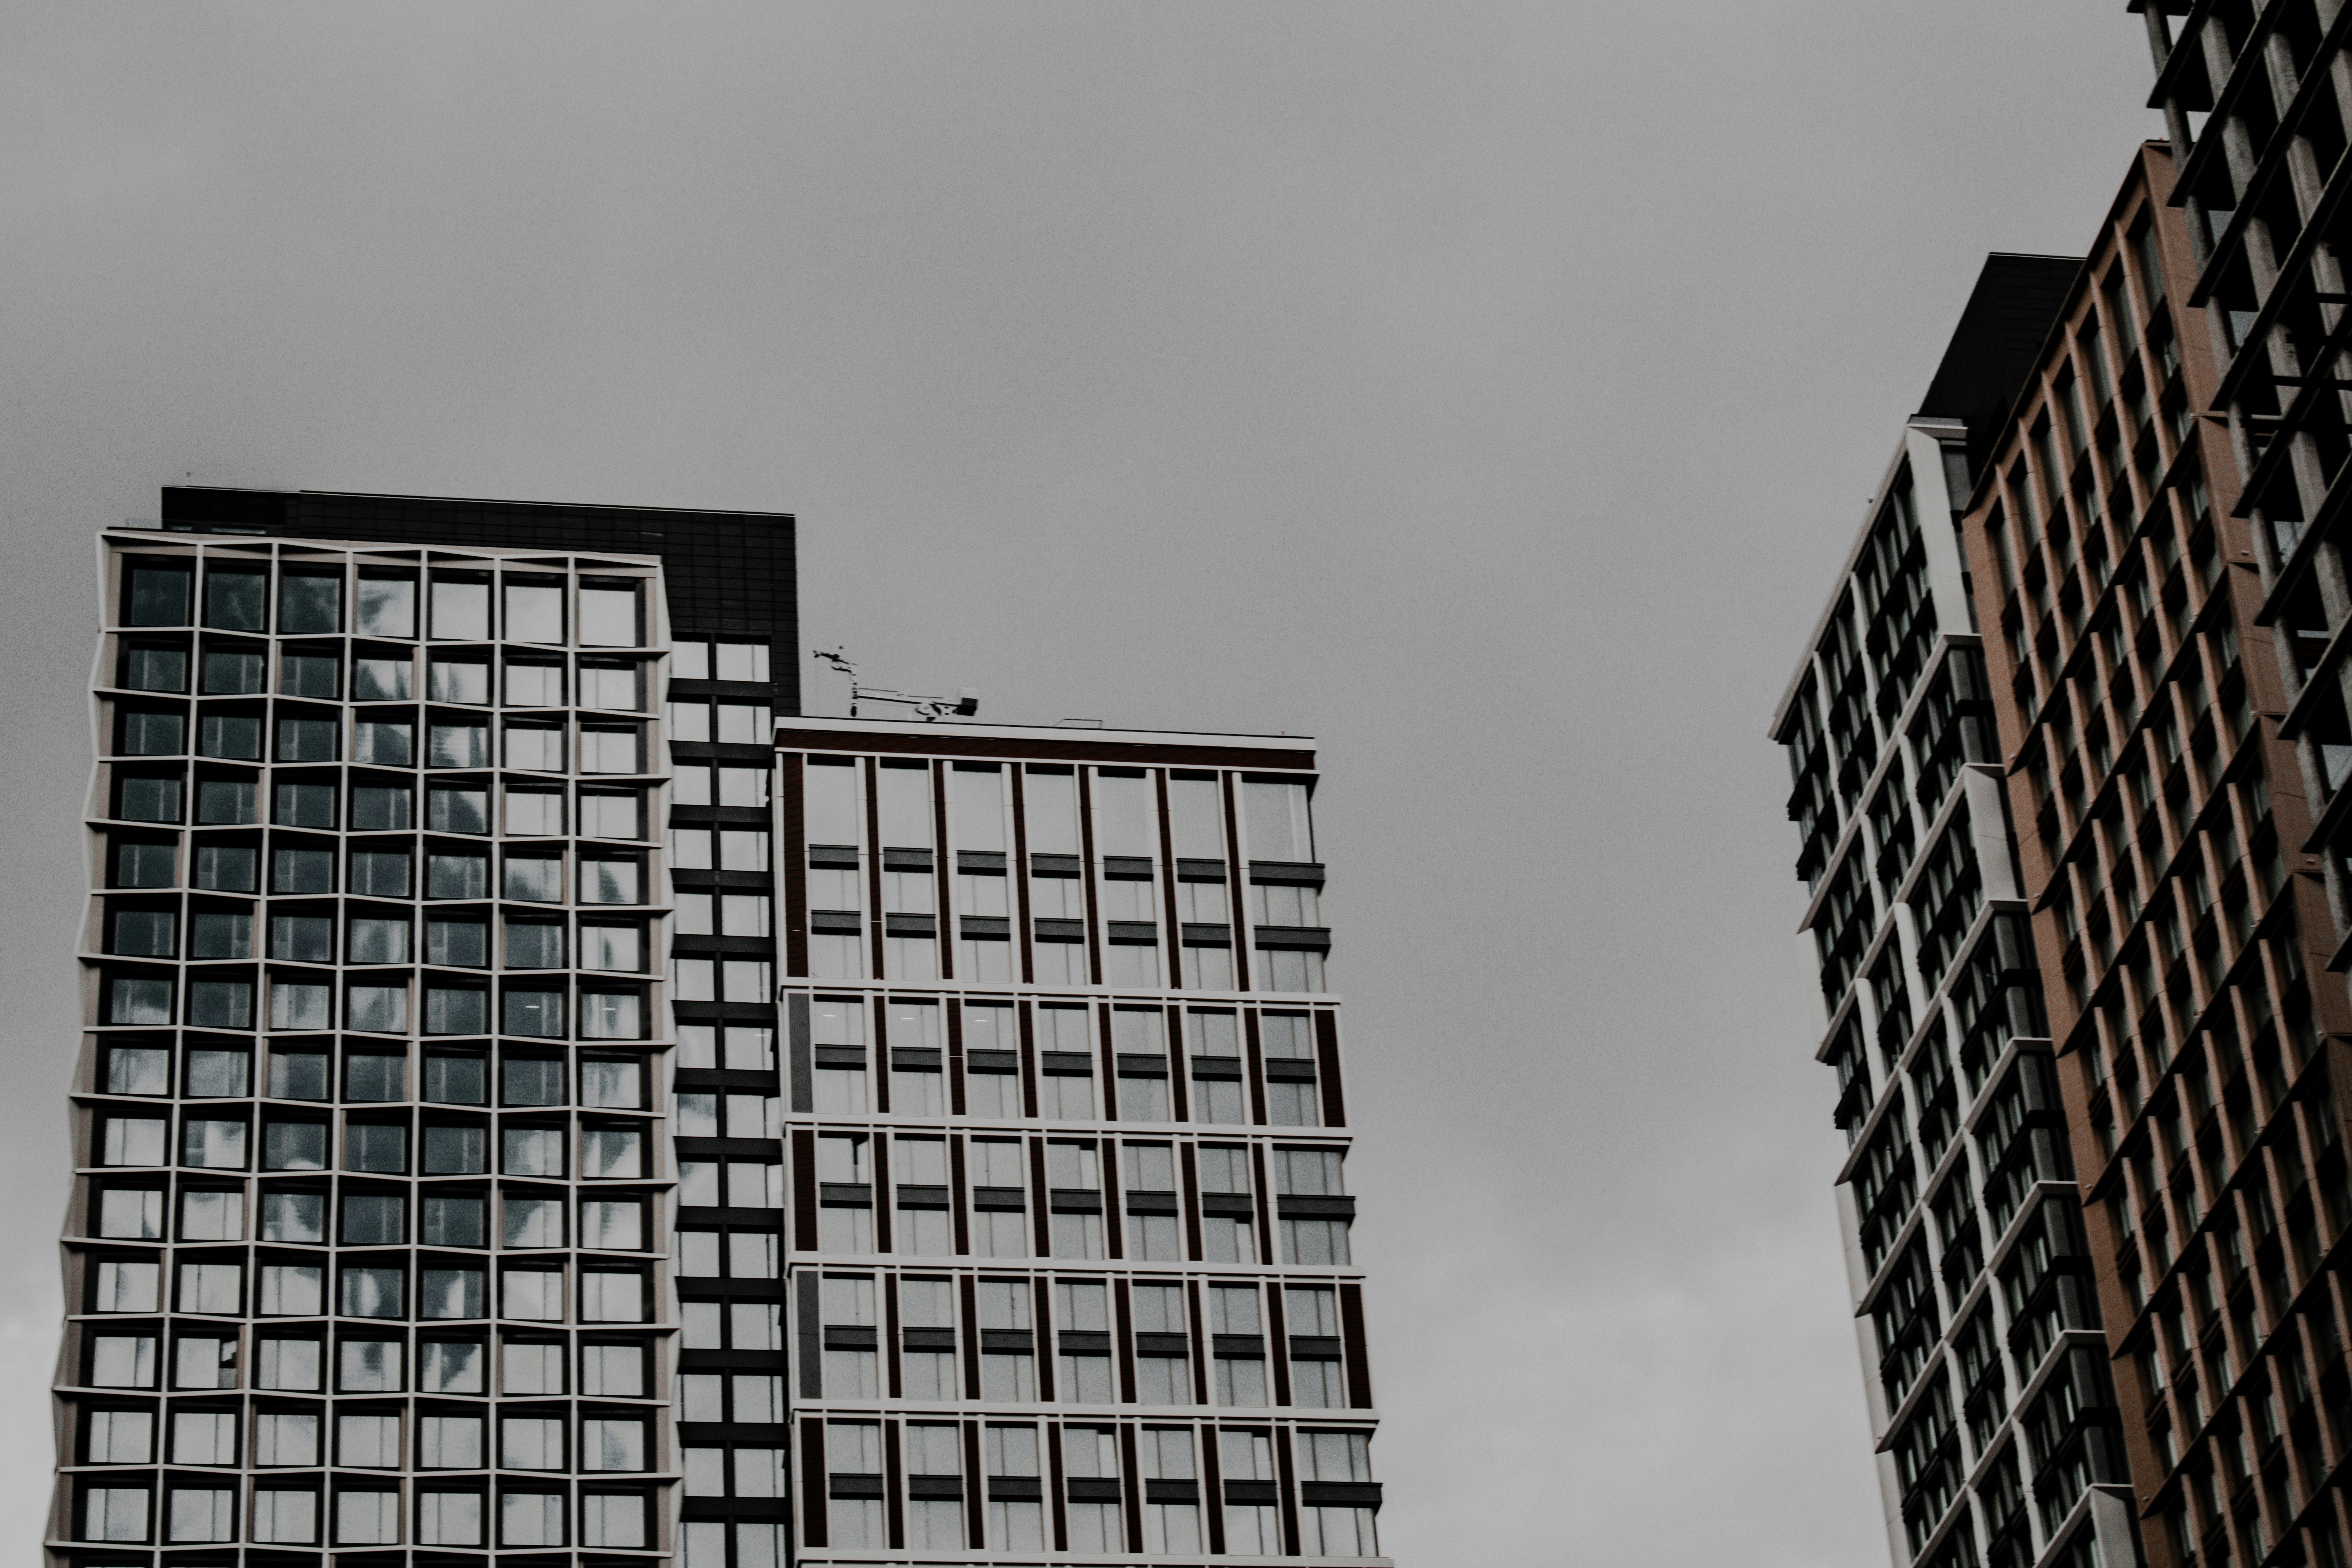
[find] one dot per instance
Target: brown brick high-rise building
(2134, 626)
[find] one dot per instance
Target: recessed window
(151, 732)
(534, 682)
(148, 798)
(464, 680)
(234, 736)
(317, 675)
(609, 684)
(309, 603)
(461, 609)
(155, 666)
(158, 593)
(534, 609)
(226, 801)
(382, 679)
(387, 605)
(608, 614)
(457, 809)
(233, 671)
(236, 598)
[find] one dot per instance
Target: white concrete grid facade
(368, 1248)
(1978, 1332)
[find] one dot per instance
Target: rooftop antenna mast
(962, 705)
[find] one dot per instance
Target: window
(1235, 1316)
(845, 1303)
(382, 680)
(1015, 1523)
(226, 800)
(1226, 1232)
(1275, 814)
(1091, 1454)
(608, 814)
(536, 746)
(534, 813)
(148, 798)
(537, 879)
(236, 598)
(1165, 1455)
(1330, 1457)
(449, 1517)
(201, 1437)
(387, 606)
(158, 595)
(933, 1523)
(1160, 1363)
(838, 1028)
(139, 1000)
(1313, 1316)
(457, 809)
(1005, 1375)
(853, 1456)
(305, 674)
(306, 739)
(122, 1361)
(608, 879)
(141, 864)
(609, 749)
(1082, 1308)
(531, 1366)
(378, 939)
(1050, 802)
(126, 1286)
(150, 732)
(309, 603)
(845, 1204)
(457, 745)
(531, 1518)
(612, 1519)
(450, 1220)
(115, 1514)
(921, 1164)
(1072, 1174)
(928, 1362)
(609, 685)
(1152, 1232)
(832, 806)
(740, 661)
(745, 724)
(381, 807)
(608, 614)
(236, 736)
(1066, 1090)
(287, 1365)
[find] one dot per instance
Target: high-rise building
(392, 840)
(1984, 1373)
(516, 1096)
(1069, 1261)
(2161, 540)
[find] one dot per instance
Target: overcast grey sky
(1487, 389)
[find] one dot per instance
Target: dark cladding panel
(2009, 312)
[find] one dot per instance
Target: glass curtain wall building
(1985, 1373)
(1069, 1264)
(369, 1251)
